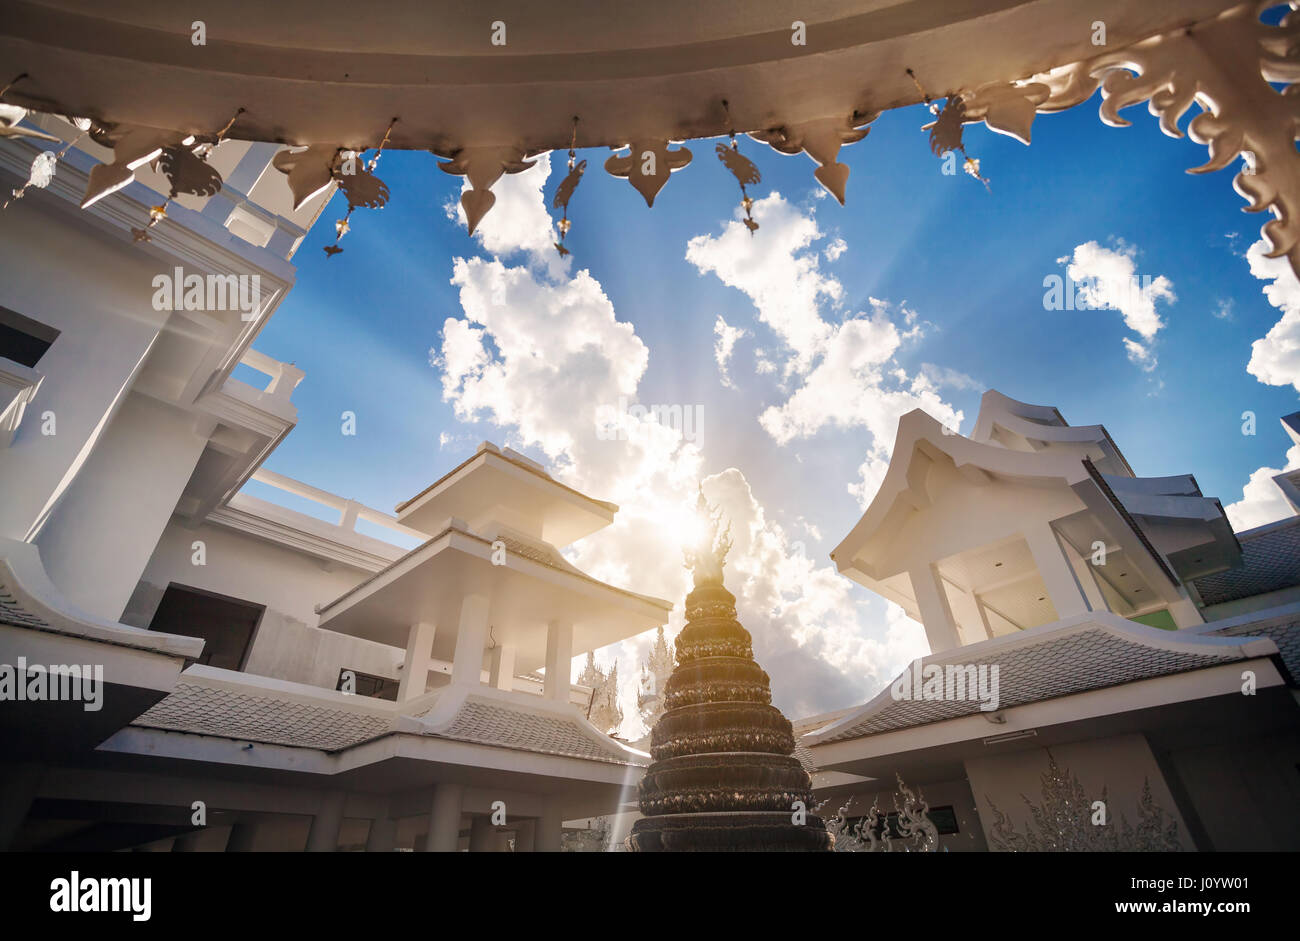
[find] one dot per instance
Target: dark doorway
(226, 624)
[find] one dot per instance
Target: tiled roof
(1270, 560)
(1285, 632)
(496, 724)
(216, 710)
(1061, 665)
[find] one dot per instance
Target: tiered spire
(724, 777)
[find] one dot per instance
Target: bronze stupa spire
(724, 776)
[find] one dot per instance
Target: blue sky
(956, 270)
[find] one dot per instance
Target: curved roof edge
(1182, 642)
(918, 429)
(29, 599)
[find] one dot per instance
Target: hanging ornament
(946, 130)
(140, 235)
(567, 187)
(647, 165)
(743, 169)
(185, 165)
(360, 186)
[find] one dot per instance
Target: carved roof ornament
(133, 147)
(567, 187)
(12, 115)
(821, 140)
(310, 170)
(708, 555)
(483, 166)
(1224, 66)
(743, 169)
(647, 165)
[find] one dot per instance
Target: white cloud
(1261, 499)
(835, 249)
(518, 221)
(778, 272)
(724, 344)
(842, 375)
(1108, 279)
(1223, 309)
(951, 378)
(1275, 358)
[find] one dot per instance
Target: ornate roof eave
(445, 84)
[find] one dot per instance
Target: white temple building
(309, 683)
(402, 681)
(1094, 634)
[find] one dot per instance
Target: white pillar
(444, 819)
(502, 672)
(1058, 575)
(984, 617)
(415, 668)
(559, 659)
(936, 614)
(324, 834)
(1185, 613)
(549, 829)
(471, 638)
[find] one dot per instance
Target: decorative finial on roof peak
(709, 553)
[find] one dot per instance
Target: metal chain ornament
(187, 170)
(742, 168)
(567, 187)
(946, 130)
(360, 187)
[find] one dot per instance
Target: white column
(984, 616)
(324, 834)
(936, 614)
(549, 828)
(444, 819)
(1058, 575)
(559, 658)
(471, 638)
(502, 671)
(415, 668)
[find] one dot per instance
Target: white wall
(104, 530)
(98, 293)
(288, 644)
